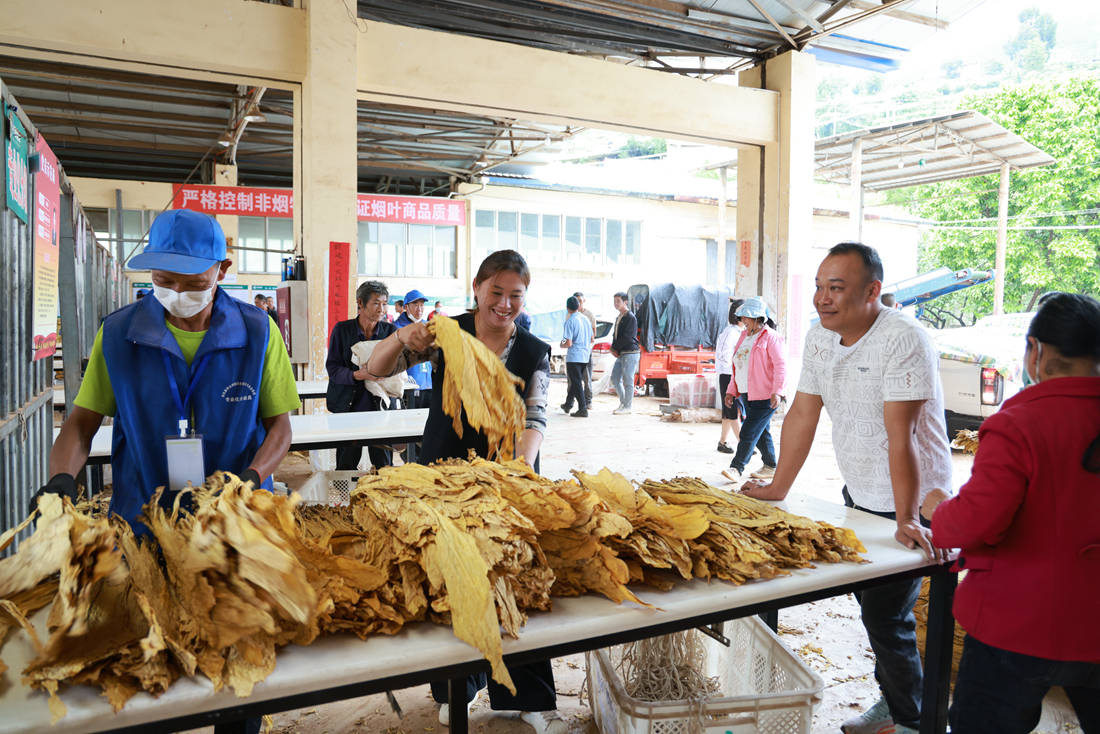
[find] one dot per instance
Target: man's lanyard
(183, 405)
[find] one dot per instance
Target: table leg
(456, 694)
(938, 649)
(771, 619)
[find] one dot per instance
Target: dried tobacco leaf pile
(966, 441)
(477, 382)
(475, 544)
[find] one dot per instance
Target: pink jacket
(767, 366)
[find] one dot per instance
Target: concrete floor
(827, 634)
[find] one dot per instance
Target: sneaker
(724, 448)
(566, 407)
(875, 720)
(445, 712)
(579, 413)
(764, 472)
(732, 474)
(621, 411)
(545, 722)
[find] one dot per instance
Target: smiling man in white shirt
(875, 371)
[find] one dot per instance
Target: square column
(774, 194)
(326, 159)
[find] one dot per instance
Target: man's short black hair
(572, 303)
(622, 297)
(872, 263)
(369, 288)
(578, 294)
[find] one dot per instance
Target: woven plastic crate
(693, 391)
(764, 688)
(330, 487)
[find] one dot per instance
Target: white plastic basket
(764, 688)
(330, 487)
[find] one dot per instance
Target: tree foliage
(1030, 48)
(1062, 120)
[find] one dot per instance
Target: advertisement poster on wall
(238, 291)
(47, 230)
(15, 155)
(268, 291)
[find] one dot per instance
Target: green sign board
(15, 154)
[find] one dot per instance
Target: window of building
(547, 239)
(407, 250)
(263, 242)
(127, 241)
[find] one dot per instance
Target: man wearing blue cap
(196, 380)
(421, 374)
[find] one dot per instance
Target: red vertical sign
(46, 210)
(746, 253)
(339, 274)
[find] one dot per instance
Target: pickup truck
(981, 366)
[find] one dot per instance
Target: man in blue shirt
(577, 339)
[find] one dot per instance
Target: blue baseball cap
(414, 295)
(753, 307)
(182, 241)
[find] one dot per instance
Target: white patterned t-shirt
(893, 362)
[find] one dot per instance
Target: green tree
(1030, 48)
(1062, 120)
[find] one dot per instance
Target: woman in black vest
(500, 287)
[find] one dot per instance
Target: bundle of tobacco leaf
(750, 539)
(477, 382)
(966, 441)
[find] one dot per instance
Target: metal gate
(91, 285)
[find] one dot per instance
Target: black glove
(251, 475)
(60, 484)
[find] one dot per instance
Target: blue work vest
(225, 403)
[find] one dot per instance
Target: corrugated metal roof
(942, 148)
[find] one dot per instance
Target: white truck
(981, 366)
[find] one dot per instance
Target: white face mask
(183, 305)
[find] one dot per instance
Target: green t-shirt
(278, 393)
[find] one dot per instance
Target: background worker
(347, 392)
(723, 365)
(627, 351)
(577, 341)
(421, 373)
(191, 363)
(588, 370)
(875, 371)
(500, 288)
(759, 372)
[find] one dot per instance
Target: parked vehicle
(981, 366)
(548, 327)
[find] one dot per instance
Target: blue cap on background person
(753, 307)
(182, 241)
(414, 295)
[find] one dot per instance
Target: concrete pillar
(326, 165)
(721, 240)
(774, 192)
(855, 213)
(226, 175)
(1002, 243)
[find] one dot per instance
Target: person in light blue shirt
(577, 339)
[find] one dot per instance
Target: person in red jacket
(1028, 526)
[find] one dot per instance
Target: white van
(981, 366)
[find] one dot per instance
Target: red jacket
(1028, 524)
(767, 366)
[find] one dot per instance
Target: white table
(324, 431)
(341, 667)
(308, 389)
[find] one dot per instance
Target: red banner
(411, 210)
(339, 282)
(252, 202)
(238, 200)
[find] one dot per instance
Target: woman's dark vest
(440, 439)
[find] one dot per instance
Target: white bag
(387, 387)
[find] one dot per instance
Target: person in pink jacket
(1028, 526)
(759, 369)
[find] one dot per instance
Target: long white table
(341, 667)
(324, 431)
(308, 389)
